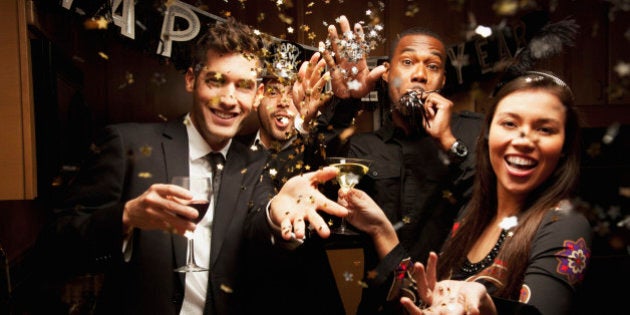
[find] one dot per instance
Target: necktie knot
(216, 161)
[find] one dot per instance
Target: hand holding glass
(201, 188)
(350, 172)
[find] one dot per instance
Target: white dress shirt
(197, 282)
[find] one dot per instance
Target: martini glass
(201, 188)
(350, 172)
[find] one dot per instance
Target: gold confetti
(145, 175)
(99, 23)
(411, 10)
(448, 195)
(103, 55)
(285, 18)
(146, 150)
(215, 101)
(226, 288)
(95, 149)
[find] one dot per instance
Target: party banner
(181, 24)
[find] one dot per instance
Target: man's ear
(385, 75)
(260, 92)
(190, 79)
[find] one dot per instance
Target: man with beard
(285, 109)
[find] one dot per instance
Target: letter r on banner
(169, 34)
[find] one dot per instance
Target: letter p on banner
(169, 34)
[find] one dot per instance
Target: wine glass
(350, 172)
(201, 188)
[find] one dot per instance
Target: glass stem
(190, 256)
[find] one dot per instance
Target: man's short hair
(417, 30)
(229, 36)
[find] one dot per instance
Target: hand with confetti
(446, 296)
(350, 74)
(297, 203)
(308, 91)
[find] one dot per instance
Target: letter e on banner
(169, 34)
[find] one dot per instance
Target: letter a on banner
(169, 34)
(127, 19)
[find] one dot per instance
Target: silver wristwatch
(458, 151)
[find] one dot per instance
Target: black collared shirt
(420, 192)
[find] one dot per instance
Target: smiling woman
(521, 233)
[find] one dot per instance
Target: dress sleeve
(559, 257)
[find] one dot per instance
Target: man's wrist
(298, 123)
(276, 235)
(458, 151)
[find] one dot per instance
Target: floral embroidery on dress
(525, 294)
(572, 260)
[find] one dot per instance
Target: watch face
(459, 149)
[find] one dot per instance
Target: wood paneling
(17, 163)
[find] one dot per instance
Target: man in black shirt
(422, 169)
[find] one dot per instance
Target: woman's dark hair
(482, 207)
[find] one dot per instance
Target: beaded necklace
(470, 269)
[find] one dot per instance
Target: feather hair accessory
(547, 42)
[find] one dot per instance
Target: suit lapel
(242, 167)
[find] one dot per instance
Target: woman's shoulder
(563, 227)
(563, 243)
(566, 214)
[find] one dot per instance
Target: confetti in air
(355, 46)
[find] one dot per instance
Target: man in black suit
(119, 217)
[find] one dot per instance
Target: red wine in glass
(201, 206)
(201, 188)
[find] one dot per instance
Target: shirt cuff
(127, 246)
(276, 235)
(388, 265)
(298, 123)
